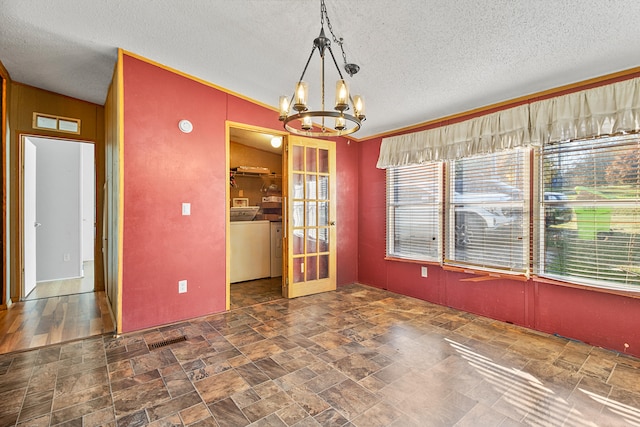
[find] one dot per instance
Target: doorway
(305, 197)
(255, 205)
(59, 205)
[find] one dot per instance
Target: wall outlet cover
(182, 286)
(423, 271)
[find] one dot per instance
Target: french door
(310, 212)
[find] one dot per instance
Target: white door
(29, 219)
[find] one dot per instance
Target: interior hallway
(358, 356)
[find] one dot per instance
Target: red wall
(347, 211)
(595, 317)
(164, 167)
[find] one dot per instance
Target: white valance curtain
(600, 111)
(603, 110)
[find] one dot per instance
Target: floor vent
(159, 344)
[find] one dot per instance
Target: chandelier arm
(335, 63)
(313, 49)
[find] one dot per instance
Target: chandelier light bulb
(358, 106)
(300, 100)
(306, 123)
(342, 95)
(340, 123)
(284, 107)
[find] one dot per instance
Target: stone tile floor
(244, 294)
(355, 357)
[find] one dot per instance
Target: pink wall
(347, 211)
(371, 203)
(597, 318)
(163, 168)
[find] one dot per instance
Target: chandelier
(307, 122)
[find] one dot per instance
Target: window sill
(482, 275)
(609, 291)
(411, 261)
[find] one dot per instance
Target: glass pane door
(310, 195)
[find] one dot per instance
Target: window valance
(599, 111)
(604, 110)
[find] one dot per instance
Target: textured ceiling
(420, 59)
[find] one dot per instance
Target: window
(590, 212)
(56, 123)
(414, 200)
(488, 211)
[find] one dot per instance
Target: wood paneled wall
(5, 83)
(22, 103)
(113, 143)
(253, 187)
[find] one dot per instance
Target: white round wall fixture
(185, 126)
(276, 141)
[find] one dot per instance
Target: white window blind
(414, 201)
(590, 212)
(488, 211)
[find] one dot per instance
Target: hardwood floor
(56, 288)
(31, 324)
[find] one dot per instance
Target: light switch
(186, 209)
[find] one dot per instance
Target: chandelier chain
(323, 14)
(309, 122)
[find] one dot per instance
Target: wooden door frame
(19, 286)
(4, 76)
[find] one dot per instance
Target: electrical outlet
(186, 209)
(423, 271)
(182, 286)
(66, 257)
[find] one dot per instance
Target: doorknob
(37, 224)
(332, 223)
